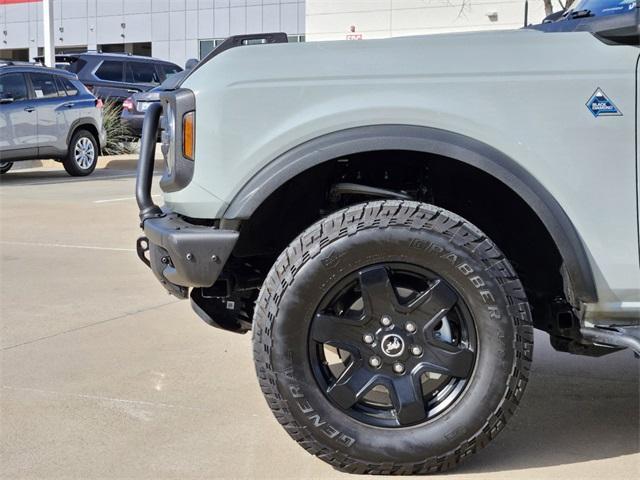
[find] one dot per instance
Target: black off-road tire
(72, 165)
(5, 167)
(397, 231)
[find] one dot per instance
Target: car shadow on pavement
(575, 409)
(51, 176)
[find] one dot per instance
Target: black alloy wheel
(393, 345)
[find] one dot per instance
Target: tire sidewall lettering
(463, 269)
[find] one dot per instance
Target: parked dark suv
(114, 75)
(48, 113)
(135, 107)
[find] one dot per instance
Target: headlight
(178, 138)
(169, 138)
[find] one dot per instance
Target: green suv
(392, 219)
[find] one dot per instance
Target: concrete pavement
(106, 376)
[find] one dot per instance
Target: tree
(548, 5)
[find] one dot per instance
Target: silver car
(47, 113)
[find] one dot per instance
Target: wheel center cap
(392, 345)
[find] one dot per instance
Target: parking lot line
(64, 245)
(48, 181)
(121, 199)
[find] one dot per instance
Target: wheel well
(91, 129)
(456, 186)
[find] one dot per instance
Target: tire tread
(383, 214)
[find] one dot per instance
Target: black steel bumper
(182, 255)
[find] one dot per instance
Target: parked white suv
(392, 218)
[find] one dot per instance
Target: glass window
(13, 85)
(141, 72)
(44, 85)
(110, 70)
(71, 89)
(167, 70)
(76, 65)
(61, 91)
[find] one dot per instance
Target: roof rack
(250, 39)
(15, 62)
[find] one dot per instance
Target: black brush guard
(181, 254)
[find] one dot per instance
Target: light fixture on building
(493, 16)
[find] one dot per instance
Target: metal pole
(49, 45)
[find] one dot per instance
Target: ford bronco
(392, 218)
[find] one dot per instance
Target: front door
(18, 119)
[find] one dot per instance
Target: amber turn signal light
(188, 135)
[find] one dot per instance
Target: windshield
(600, 8)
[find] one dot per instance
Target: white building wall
(333, 19)
(174, 27)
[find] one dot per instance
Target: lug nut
(410, 327)
(398, 367)
(374, 362)
(367, 338)
(416, 350)
(385, 321)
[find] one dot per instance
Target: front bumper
(182, 255)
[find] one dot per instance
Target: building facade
(363, 19)
(174, 30)
(177, 30)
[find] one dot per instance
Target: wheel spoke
(407, 399)
(337, 331)
(352, 385)
(434, 303)
(378, 294)
(447, 359)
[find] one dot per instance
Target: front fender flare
(437, 142)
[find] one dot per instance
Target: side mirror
(6, 99)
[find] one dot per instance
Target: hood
(471, 54)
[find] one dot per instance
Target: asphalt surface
(106, 376)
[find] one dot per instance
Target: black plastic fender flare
(438, 142)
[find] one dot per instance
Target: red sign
(9, 2)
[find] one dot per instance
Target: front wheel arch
(433, 141)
